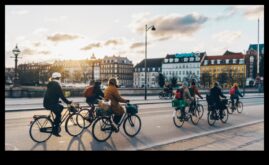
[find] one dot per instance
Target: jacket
(97, 94)
(53, 94)
(216, 93)
(111, 93)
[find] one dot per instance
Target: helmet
(56, 75)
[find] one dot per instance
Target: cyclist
(187, 98)
(51, 100)
(215, 94)
(234, 94)
(194, 91)
(111, 93)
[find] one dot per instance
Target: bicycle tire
(74, 124)
(102, 124)
(131, 121)
(176, 119)
(240, 107)
(47, 124)
(226, 116)
(210, 121)
(85, 114)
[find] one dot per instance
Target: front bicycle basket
(178, 103)
(132, 108)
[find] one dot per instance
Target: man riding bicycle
(215, 94)
(51, 100)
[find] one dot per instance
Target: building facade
(251, 60)
(154, 67)
(182, 66)
(34, 73)
(118, 67)
(226, 69)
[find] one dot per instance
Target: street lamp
(16, 51)
(146, 29)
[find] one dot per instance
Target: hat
(56, 75)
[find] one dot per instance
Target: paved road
(157, 129)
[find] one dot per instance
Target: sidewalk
(245, 138)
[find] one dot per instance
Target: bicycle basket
(101, 112)
(132, 108)
(178, 103)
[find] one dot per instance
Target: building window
(143, 69)
(241, 61)
(159, 69)
(191, 59)
(198, 72)
(185, 59)
(206, 62)
(251, 59)
(234, 61)
(197, 58)
(179, 72)
(153, 69)
(183, 72)
(171, 60)
(212, 61)
(227, 61)
(218, 61)
(176, 59)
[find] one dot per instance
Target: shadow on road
(80, 145)
(43, 145)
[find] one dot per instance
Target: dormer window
(227, 61)
(176, 59)
(171, 60)
(197, 58)
(185, 59)
(241, 61)
(206, 62)
(165, 60)
(218, 61)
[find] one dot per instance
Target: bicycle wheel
(200, 109)
(210, 118)
(230, 106)
(195, 117)
(178, 121)
(240, 107)
(74, 124)
(41, 129)
(101, 129)
(225, 116)
(88, 116)
(132, 125)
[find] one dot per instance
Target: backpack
(88, 92)
(232, 91)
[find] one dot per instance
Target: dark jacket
(52, 95)
(97, 95)
(216, 93)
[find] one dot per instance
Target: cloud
(171, 26)
(227, 36)
(91, 46)
(40, 31)
(58, 37)
(37, 44)
(28, 51)
(113, 42)
(19, 12)
(137, 45)
(228, 13)
(45, 52)
(254, 12)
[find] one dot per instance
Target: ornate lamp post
(16, 51)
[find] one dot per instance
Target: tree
(77, 76)
(206, 78)
(222, 78)
(174, 81)
(161, 80)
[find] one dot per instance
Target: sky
(45, 33)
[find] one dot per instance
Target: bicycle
(192, 114)
(42, 125)
(103, 126)
(214, 112)
(199, 107)
(88, 114)
(238, 107)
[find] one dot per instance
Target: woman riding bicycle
(111, 93)
(234, 94)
